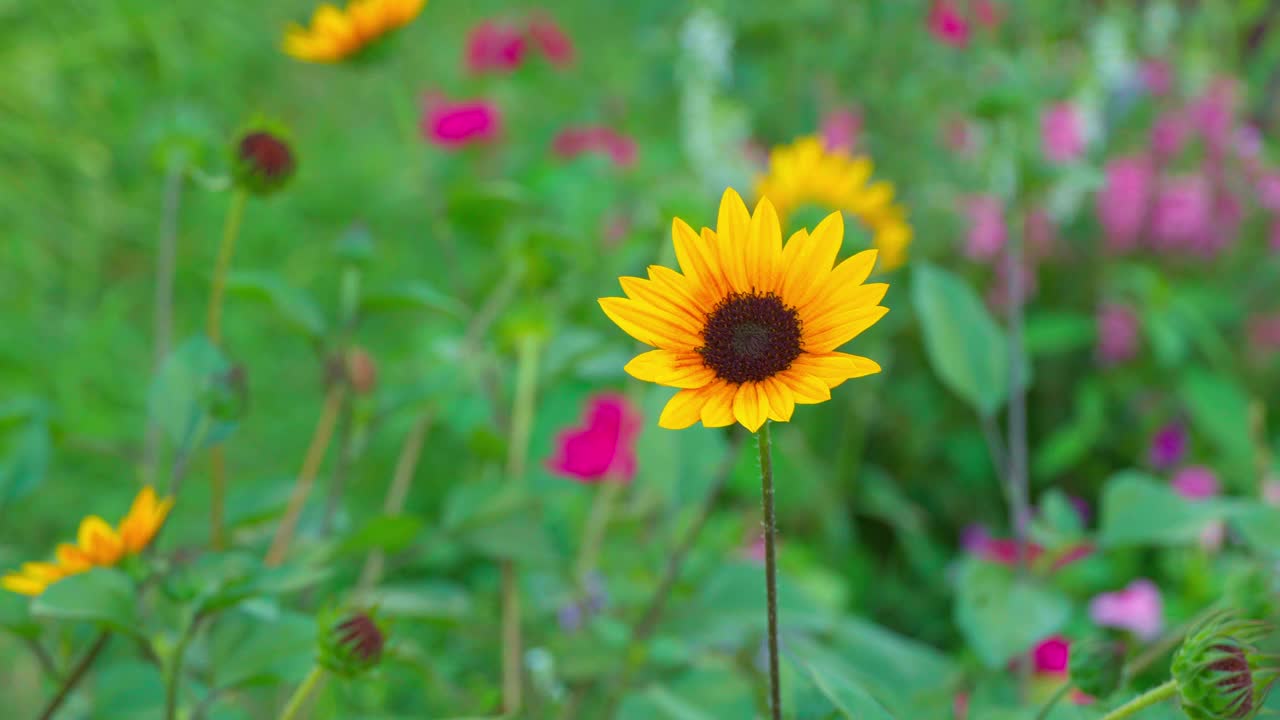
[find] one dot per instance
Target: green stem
(770, 568)
(303, 693)
(174, 681)
(1151, 697)
(76, 675)
(597, 524)
(1053, 701)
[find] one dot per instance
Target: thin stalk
(1017, 478)
(162, 311)
(76, 675)
(303, 693)
(517, 457)
(348, 448)
(173, 683)
(1053, 701)
(770, 568)
(597, 523)
(226, 250)
(307, 476)
(1151, 697)
(42, 656)
(397, 493)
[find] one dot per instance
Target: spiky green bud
(1219, 671)
(351, 645)
(1097, 665)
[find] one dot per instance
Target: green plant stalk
(1053, 701)
(397, 493)
(303, 693)
(226, 250)
(76, 675)
(307, 476)
(597, 523)
(162, 311)
(41, 655)
(173, 681)
(770, 568)
(517, 457)
(1151, 697)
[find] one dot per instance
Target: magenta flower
(1268, 190)
(1226, 214)
(1137, 608)
(988, 13)
(1157, 77)
(1122, 202)
(1213, 113)
(947, 24)
(1168, 446)
(1062, 133)
(1117, 334)
(1181, 213)
(572, 142)
(987, 231)
(602, 449)
(453, 124)
(551, 40)
(1168, 135)
(1051, 656)
(839, 130)
(494, 47)
(1196, 483)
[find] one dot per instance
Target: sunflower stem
(76, 675)
(303, 693)
(226, 249)
(770, 568)
(306, 477)
(1151, 697)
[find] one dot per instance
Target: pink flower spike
(603, 447)
(1157, 77)
(1117, 334)
(494, 47)
(1214, 113)
(572, 142)
(987, 230)
(1050, 656)
(947, 24)
(1268, 189)
(1196, 483)
(551, 40)
(1182, 212)
(1168, 136)
(1137, 608)
(840, 130)
(1123, 200)
(1062, 133)
(453, 125)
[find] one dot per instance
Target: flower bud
(352, 645)
(1218, 670)
(362, 371)
(1097, 666)
(262, 161)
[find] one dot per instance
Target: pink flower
(1157, 77)
(1117, 334)
(551, 40)
(998, 295)
(1137, 608)
(1168, 135)
(1040, 233)
(987, 231)
(1122, 202)
(1221, 228)
(1268, 189)
(1061, 133)
(1196, 483)
(947, 24)
(959, 137)
(1213, 113)
(1182, 211)
(1051, 655)
(453, 124)
(840, 130)
(494, 47)
(572, 142)
(1168, 446)
(603, 448)
(988, 13)
(960, 706)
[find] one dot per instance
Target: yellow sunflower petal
(72, 559)
(763, 248)
(43, 571)
(650, 325)
(99, 541)
(698, 259)
(733, 219)
(370, 18)
(751, 406)
(684, 409)
(849, 273)
(844, 328)
(834, 368)
(657, 296)
(811, 264)
(718, 412)
(807, 389)
(144, 520)
(842, 301)
(680, 288)
(22, 584)
(782, 403)
(673, 369)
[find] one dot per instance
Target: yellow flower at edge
(749, 328)
(336, 35)
(98, 544)
(806, 173)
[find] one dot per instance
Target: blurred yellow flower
(98, 544)
(749, 328)
(806, 173)
(336, 35)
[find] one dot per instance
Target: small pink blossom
(987, 232)
(947, 24)
(494, 47)
(1271, 491)
(455, 124)
(1181, 213)
(1123, 200)
(1196, 483)
(1051, 656)
(959, 137)
(551, 40)
(1226, 214)
(1168, 446)
(1169, 135)
(987, 13)
(575, 141)
(1061, 133)
(603, 447)
(1157, 77)
(960, 706)
(1213, 113)
(839, 130)
(1117, 334)
(1041, 235)
(1268, 190)
(1137, 608)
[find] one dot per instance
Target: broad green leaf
(1002, 616)
(1073, 442)
(15, 613)
(413, 296)
(1219, 408)
(908, 666)
(390, 533)
(294, 305)
(1055, 333)
(128, 690)
(1138, 510)
(1259, 525)
(844, 690)
(266, 646)
(183, 394)
(27, 463)
(103, 595)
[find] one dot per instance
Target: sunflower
(98, 544)
(805, 173)
(336, 35)
(749, 328)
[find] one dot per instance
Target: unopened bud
(262, 161)
(1219, 671)
(352, 645)
(362, 371)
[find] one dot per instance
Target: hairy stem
(306, 477)
(1151, 697)
(770, 568)
(76, 675)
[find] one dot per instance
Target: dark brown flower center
(268, 154)
(750, 337)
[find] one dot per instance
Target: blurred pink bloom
(1181, 213)
(987, 13)
(1061, 133)
(1137, 608)
(1248, 143)
(1117, 334)
(1168, 135)
(978, 541)
(755, 550)
(494, 47)
(1264, 332)
(614, 228)
(1213, 113)
(998, 295)
(1157, 77)
(1196, 482)
(575, 141)
(454, 124)
(1041, 235)
(840, 130)
(1051, 655)
(960, 706)
(551, 40)
(1168, 446)
(987, 231)
(603, 448)
(1122, 202)
(1217, 233)
(947, 24)
(1213, 535)
(959, 136)
(1268, 189)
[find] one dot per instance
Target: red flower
(603, 448)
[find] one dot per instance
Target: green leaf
(294, 305)
(1219, 408)
(183, 391)
(261, 647)
(390, 533)
(28, 461)
(966, 347)
(1056, 333)
(908, 666)
(1259, 525)
(841, 687)
(1138, 510)
(1073, 442)
(128, 690)
(1002, 616)
(417, 296)
(103, 595)
(419, 600)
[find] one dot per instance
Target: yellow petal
(732, 260)
(684, 409)
(650, 325)
(763, 248)
(42, 571)
(23, 585)
(781, 402)
(733, 220)
(844, 328)
(842, 302)
(673, 369)
(72, 559)
(750, 406)
(681, 288)
(718, 412)
(804, 276)
(652, 294)
(699, 259)
(99, 542)
(834, 368)
(807, 389)
(853, 271)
